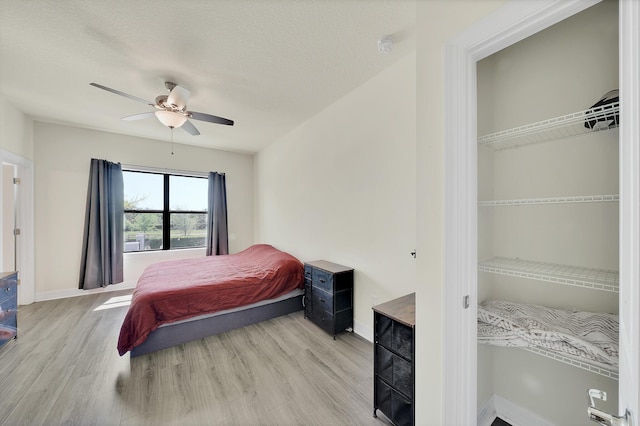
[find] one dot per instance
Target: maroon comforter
(179, 289)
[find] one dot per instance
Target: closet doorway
(515, 22)
(548, 222)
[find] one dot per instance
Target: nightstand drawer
(322, 280)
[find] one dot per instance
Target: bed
(178, 301)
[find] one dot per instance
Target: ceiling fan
(171, 109)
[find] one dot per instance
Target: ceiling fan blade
(179, 96)
(210, 118)
(117, 92)
(138, 116)
(190, 128)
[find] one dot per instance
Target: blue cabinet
(8, 306)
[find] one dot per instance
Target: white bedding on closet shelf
(585, 336)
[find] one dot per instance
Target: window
(164, 211)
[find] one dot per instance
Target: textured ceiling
(267, 64)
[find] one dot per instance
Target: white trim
(487, 413)
(516, 415)
(460, 253)
(629, 372)
(63, 294)
(363, 330)
(496, 406)
(511, 23)
(189, 173)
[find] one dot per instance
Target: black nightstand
(328, 295)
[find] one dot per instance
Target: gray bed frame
(185, 331)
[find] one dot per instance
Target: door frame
(511, 23)
(24, 221)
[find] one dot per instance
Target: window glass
(187, 193)
(149, 226)
(142, 231)
(143, 191)
(188, 229)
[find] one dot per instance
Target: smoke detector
(385, 44)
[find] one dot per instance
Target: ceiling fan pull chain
(171, 140)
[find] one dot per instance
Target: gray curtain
(217, 233)
(103, 244)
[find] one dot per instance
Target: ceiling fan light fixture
(170, 119)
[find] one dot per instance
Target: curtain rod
(136, 168)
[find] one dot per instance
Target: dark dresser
(394, 359)
(8, 306)
(328, 295)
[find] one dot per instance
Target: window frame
(166, 210)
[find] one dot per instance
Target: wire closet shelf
(610, 372)
(552, 200)
(564, 126)
(596, 279)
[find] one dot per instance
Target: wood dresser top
(334, 268)
(402, 309)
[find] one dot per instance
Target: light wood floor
(64, 369)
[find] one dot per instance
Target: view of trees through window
(164, 211)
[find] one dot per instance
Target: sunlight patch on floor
(115, 302)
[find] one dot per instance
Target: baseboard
(511, 413)
(363, 330)
(63, 294)
(487, 413)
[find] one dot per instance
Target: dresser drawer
(9, 307)
(307, 272)
(324, 319)
(394, 370)
(322, 280)
(8, 289)
(9, 313)
(321, 300)
(9, 304)
(393, 404)
(394, 336)
(308, 303)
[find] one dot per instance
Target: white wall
(16, 130)
(62, 156)
(341, 187)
